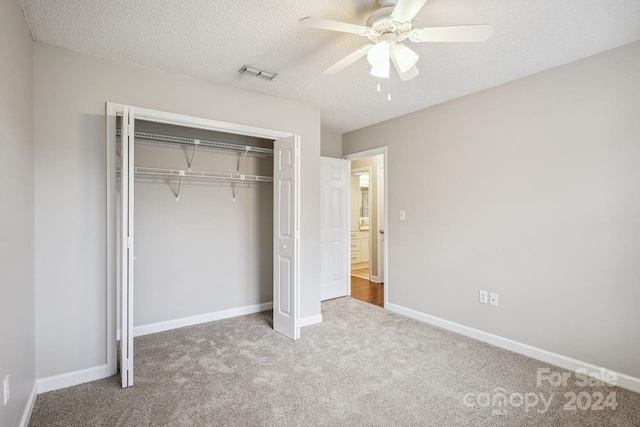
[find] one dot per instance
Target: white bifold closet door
(334, 228)
(286, 236)
(126, 246)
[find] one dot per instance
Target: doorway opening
(367, 219)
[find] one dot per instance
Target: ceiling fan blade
(411, 73)
(328, 24)
(348, 60)
(406, 10)
(458, 33)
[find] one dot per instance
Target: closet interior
(203, 222)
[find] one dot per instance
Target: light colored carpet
(363, 366)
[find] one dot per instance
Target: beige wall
(531, 190)
(371, 162)
(331, 144)
(70, 182)
(17, 289)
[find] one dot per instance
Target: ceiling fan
(387, 28)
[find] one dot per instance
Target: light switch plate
(484, 297)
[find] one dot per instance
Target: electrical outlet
(7, 391)
(493, 299)
(484, 297)
(403, 216)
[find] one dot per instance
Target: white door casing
(127, 247)
(385, 209)
(334, 224)
(380, 223)
(286, 236)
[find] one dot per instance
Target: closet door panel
(286, 237)
(127, 246)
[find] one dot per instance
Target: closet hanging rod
(166, 139)
(216, 176)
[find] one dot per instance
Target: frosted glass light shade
(378, 57)
(381, 70)
(405, 57)
(379, 53)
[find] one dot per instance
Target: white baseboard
(73, 378)
(375, 279)
(624, 381)
(310, 320)
(26, 415)
(199, 319)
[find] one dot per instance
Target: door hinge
(127, 364)
(297, 234)
(129, 242)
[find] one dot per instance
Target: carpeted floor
(363, 366)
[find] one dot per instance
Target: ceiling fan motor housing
(380, 14)
(381, 23)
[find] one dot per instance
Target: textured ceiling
(211, 40)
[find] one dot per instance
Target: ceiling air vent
(256, 73)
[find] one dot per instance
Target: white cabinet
(359, 246)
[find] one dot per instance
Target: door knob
(381, 231)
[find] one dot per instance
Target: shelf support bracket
(179, 185)
(242, 157)
(236, 187)
(196, 142)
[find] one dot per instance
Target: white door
(126, 247)
(380, 221)
(334, 228)
(286, 236)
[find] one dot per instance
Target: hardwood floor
(367, 291)
(362, 273)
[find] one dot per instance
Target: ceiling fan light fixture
(381, 69)
(405, 57)
(378, 57)
(379, 53)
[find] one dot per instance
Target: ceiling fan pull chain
(389, 94)
(378, 84)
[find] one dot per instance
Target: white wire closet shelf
(180, 174)
(177, 173)
(202, 143)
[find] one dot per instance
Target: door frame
(362, 155)
(112, 110)
(380, 210)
